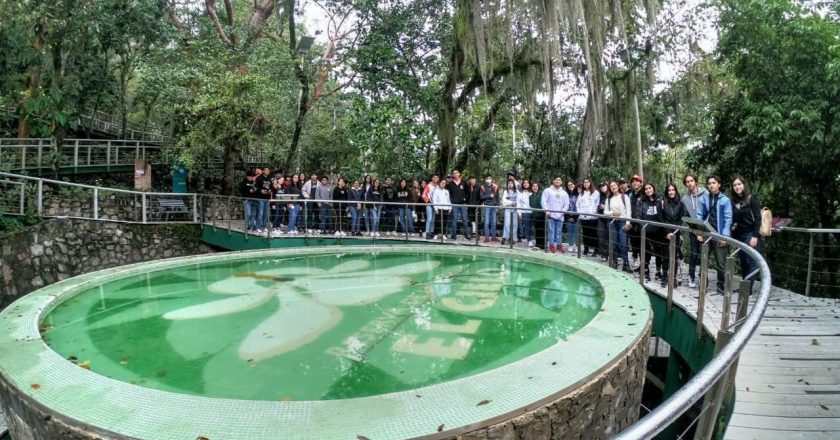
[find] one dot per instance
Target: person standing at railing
(691, 200)
(587, 203)
(459, 196)
(404, 198)
(340, 196)
(489, 195)
(746, 224)
(570, 218)
(323, 194)
(308, 192)
(673, 211)
(524, 212)
(418, 211)
(603, 223)
(428, 198)
(511, 216)
(618, 206)
(538, 216)
(355, 196)
(367, 185)
(648, 207)
(294, 206)
(473, 193)
(389, 196)
(374, 197)
(442, 205)
(248, 190)
(263, 183)
(555, 200)
(716, 209)
(634, 237)
(277, 205)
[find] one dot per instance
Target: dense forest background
(601, 88)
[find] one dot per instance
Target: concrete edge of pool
(36, 382)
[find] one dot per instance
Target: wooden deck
(788, 379)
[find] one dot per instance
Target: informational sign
(179, 179)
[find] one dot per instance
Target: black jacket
(746, 217)
(650, 210)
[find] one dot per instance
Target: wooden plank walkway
(788, 379)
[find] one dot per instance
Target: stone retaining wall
(58, 249)
(599, 409)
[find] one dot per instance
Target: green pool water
(320, 327)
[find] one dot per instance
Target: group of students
(442, 206)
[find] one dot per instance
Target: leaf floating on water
(123, 362)
(483, 402)
(440, 428)
(815, 342)
(821, 406)
(85, 365)
(361, 437)
(73, 359)
(161, 373)
(35, 386)
(201, 437)
(554, 363)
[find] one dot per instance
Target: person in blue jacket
(716, 209)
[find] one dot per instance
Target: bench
(172, 209)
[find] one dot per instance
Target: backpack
(766, 222)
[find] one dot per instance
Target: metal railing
(38, 153)
(713, 384)
(805, 260)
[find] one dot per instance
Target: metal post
(195, 208)
(40, 201)
(22, 198)
(511, 230)
(23, 158)
(672, 269)
(76, 154)
(96, 203)
(90, 148)
(475, 232)
(230, 215)
(642, 254)
(143, 206)
(727, 287)
(611, 235)
(579, 238)
(713, 399)
(405, 227)
(810, 265)
(40, 153)
(108, 154)
(306, 225)
(443, 225)
(704, 280)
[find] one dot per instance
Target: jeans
(748, 264)
(389, 218)
(355, 213)
(720, 262)
(490, 221)
(251, 211)
(693, 256)
(459, 214)
(527, 227)
(620, 245)
(372, 218)
(511, 224)
(430, 219)
(326, 217)
(294, 209)
(407, 220)
(555, 231)
(276, 214)
(571, 230)
(262, 214)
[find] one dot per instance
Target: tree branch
(229, 12)
(211, 11)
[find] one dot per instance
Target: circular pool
(370, 342)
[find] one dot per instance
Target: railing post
(116, 154)
(96, 203)
(195, 208)
(40, 153)
(672, 269)
(579, 238)
(704, 281)
(76, 153)
(230, 216)
(727, 287)
(743, 303)
(713, 399)
(642, 254)
(143, 206)
(611, 240)
(40, 201)
(89, 150)
(23, 157)
(810, 265)
(22, 198)
(108, 154)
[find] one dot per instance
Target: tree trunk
(303, 101)
(446, 137)
(34, 82)
(588, 138)
(637, 125)
(229, 163)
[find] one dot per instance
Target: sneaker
(337, 234)
(444, 238)
(561, 249)
(552, 249)
(504, 241)
(626, 267)
(531, 243)
(487, 239)
(494, 239)
(343, 234)
(663, 284)
(692, 284)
